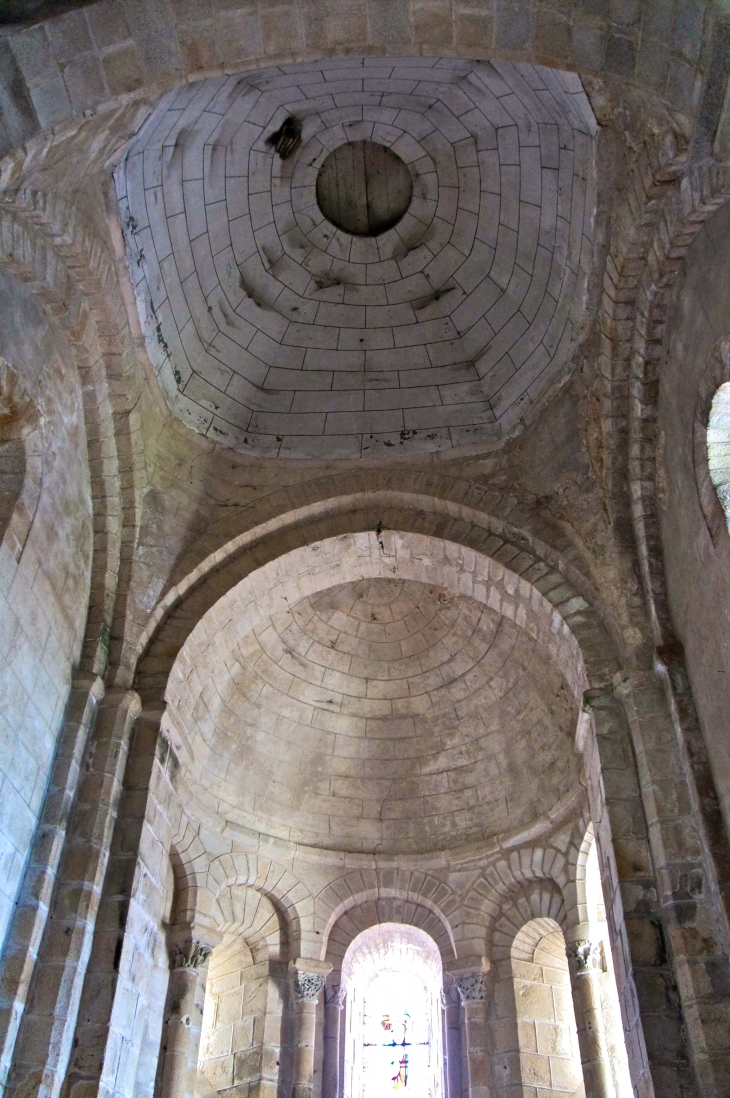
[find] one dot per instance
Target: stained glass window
(397, 1037)
(394, 1042)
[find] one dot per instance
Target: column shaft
(128, 930)
(309, 978)
(693, 917)
(184, 1017)
(472, 989)
(305, 1017)
(585, 971)
(644, 977)
(34, 902)
(477, 1057)
(46, 1033)
(176, 1082)
(334, 1001)
(452, 1041)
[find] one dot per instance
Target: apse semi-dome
(449, 303)
(378, 715)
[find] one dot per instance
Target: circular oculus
(364, 188)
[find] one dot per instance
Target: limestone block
(404, 286)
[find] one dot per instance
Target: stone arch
(371, 911)
(524, 881)
(285, 892)
(375, 554)
(563, 606)
(360, 900)
(43, 244)
(257, 918)
(539, 903)
(671, 209)
(685, 209)
(284, 582)
(162, 48)
(377, 494)
(528, 938)
(396, 554)
(209, 892)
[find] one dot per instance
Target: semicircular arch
(207, 893)
(358, 901)
(539, 904)
(582, 645)
(523, 873)
(258, 918)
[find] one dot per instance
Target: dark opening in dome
(364, 188)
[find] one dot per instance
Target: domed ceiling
(445, 304)
(378, 716)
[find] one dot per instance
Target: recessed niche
(364, 188)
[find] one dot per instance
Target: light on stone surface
(718, 446)
(394, 978)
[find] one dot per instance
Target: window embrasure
(718, 446)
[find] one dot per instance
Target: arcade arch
(360, 568)
(667, 197)
(480, 866)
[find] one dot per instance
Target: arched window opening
(393, 978)
(718, 446)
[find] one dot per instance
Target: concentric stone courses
(364, 572)
(275, 332)
(378, 715)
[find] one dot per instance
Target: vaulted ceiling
(275, 332)
(379, 715)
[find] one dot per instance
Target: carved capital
(307, 986)
(334, 996)
(471, 986)
(191, 953)
(586, 956)
(449, 996)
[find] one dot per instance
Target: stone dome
(277, 333)
(382, 715)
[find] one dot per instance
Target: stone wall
(533, 991)
(76, 63)
(696, 547)
(547, 513)
(45, 562)
(242, 1023)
